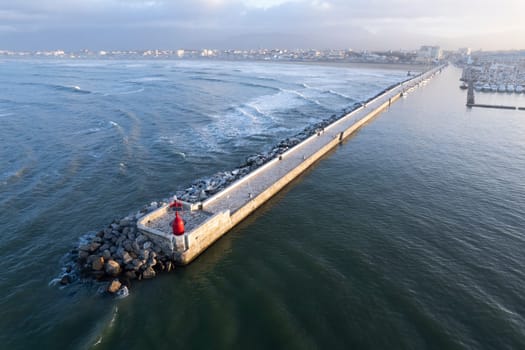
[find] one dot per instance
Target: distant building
(207, 53)
(464, 51)
(427, 54)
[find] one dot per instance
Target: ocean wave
(260, 77)
(87, 131)
(244, 83)
(328, 91)
(71, 88)
(237, 122)
(302, 96)
(15, 175)
(238, 82)
(130, 92)
(267, 105)
(333, 92)
(57, 87)
(169, 141)
(257, 109)
(102, 329)
(94, 155)
(257, 115)
(135, 65)
(247, 114)
(215, 80)
(148, 79)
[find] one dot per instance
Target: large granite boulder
(113, 268)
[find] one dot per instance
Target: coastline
(344, 64)
(368, 65)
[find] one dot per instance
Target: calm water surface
(410, 235)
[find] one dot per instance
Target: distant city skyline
(243, 24)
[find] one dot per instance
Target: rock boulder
(114, 286)
(148, 273)
(98, 264)
(113, 268)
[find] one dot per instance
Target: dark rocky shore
(119, 253)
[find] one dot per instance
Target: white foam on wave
(113, 317)
(303, 96)
(165, 139)
(74, 88)
(131, 92)
(281, 101)
(146, 79)
(94, 155)
(256, 116)
(103, 329)
(327, 89)
(247, 114)
(54, 282)
(135, 65)
(122, 293)
(237, 123)
(98, 342)
(256, 108)
(86, 238)
(87, 131)
(170, 141)
(336, 93)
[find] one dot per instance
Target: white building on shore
(428, 54)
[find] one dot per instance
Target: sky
(245, 24)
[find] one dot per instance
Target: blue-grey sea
(410, 235)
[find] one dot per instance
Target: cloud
(230, 23)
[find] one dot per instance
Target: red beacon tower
(178, 223)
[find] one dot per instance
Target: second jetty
(210, 219)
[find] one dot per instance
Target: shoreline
(345, 64)
(379, 65)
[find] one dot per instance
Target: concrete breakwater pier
(219, 213)
(142, 245)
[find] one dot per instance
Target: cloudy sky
(170, 24)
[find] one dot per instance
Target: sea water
(410, 235)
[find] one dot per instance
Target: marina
(495, 77)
